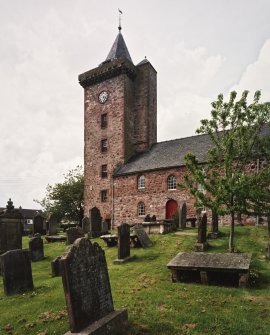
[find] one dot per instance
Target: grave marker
(202, 245)
(183, 215)
(52, 225)
(38, 221)
(123, 243)
(73, 233)
(86, 225)
(36, 248)
(55, 267)
(142, 236)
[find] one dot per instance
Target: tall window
(104, 145)
(141, 182)
(103, 120)
(171, 183)
(104, 172)
(141, 209)
(103, 195)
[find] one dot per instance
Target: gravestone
(183, 215)
(88, 292)
(52, 225)
(147, 218)
(36, 248)
(215, 233)
(16, 271)
(142, 236)
(73, 233)
(95, 222)
(86, 225)
(202, 245)
(38, 221)
(123, 243)
(153, 218)
(10, 229)
(55, 267)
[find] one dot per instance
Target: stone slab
(55, 238)
(142, 236)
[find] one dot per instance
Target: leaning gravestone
(142, 236)
(123, 243)
(88, 291)
(36, 248)
(202, 245)
(86, 225)
(10, 229)
(38, 222)
(95, 222)
(16, 271)
(183, 215)
(52, 225)
(73, 233)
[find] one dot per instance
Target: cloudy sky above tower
(199, 49)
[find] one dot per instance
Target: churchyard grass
(143, 286)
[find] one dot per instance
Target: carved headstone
(52, 225)
(73, 233)
(10, 229)
(38, 222)
(36, 248)
(182, 215)
(86, 225)
(55, 267)
(87, 289)
(95, 222)
(202, 245)
(123, 243)
(16, 271)
(142, 236)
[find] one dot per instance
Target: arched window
(171, 183)
(141, 182)
(141, 209)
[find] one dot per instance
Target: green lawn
(155, 304)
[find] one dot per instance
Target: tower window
(104, 172)
(103, 120)
(141, 209)
(104, 145)
(103, 195)
(171, 183)
(141, 182)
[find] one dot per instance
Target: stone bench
(230, 269)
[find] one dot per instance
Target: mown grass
(155, 304)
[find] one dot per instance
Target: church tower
(120, 120)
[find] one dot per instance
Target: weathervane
(120, 13)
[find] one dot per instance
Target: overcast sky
(199, 49)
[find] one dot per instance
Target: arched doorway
(171, 208)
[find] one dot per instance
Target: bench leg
(243, 279)
(204, 277)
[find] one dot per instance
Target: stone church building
(128, 174)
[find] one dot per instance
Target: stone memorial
(88, 292)
(183, 215)
(36, 248)
(123, 243)
(16, 271)
(86, 225)
(38, 224)
(52, 225)
(142, 236)
(153, 218)
(73, 233)
(202, 244)
(214, 233)
(10, 229)
(95, 222)
(55, 267)
(147, 218)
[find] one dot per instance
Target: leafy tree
(237, 131)
(66, 199)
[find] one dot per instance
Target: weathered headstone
(16, 271)
(183, 215)
(36, 248)
(147, 218)
(55, 267)
(95, 222)
(214, 233)
(52, 225)
(153, 218)
(123, 243)
(104, 227)
(73, 233)
(88, 292)
(202, 245)
(10, 229)
(142, 236)
(38, 222)
(86, 225)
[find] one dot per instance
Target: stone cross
(36, 248)
(182, 215)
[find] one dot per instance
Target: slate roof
(119, 49)
(167, 154)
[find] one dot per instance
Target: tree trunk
(268, 225)
(231, 239)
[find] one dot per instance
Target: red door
(171, 208)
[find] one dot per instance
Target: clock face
(103, 97)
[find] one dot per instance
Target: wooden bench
(230, 269)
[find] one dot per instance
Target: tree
(237, 130)
(66, 199)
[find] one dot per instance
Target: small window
(104, 195)
(104, 145)
(171, 183)
(103, 120)
(104, 172)
(141, 182)
(141, 209)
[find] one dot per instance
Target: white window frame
(171, 182)
(141, 182)
(141, 209)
